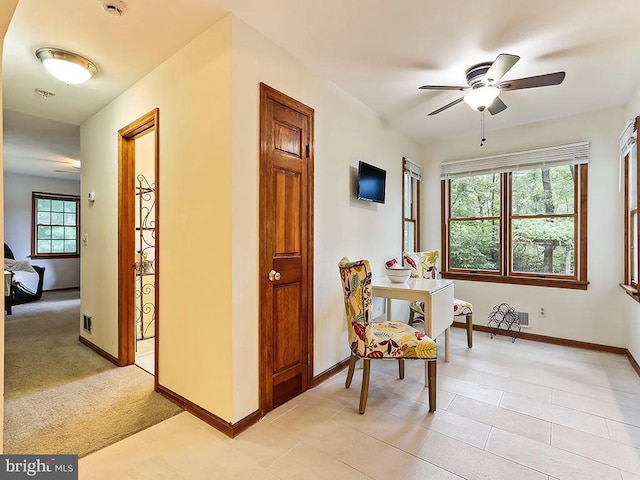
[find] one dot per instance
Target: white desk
(437, 296)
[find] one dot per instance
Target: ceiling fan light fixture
(481, 97)
(69, 67)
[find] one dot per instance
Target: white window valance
(413, 168)
(628, 138)
(571, 154)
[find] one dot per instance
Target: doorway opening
(138, 243)
(145, 252)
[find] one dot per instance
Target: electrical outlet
(542, 312)
(86, 322)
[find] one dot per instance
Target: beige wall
(6, 12)
(193, 92)
(595, 315)
(346, 131)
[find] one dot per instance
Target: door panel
(288, 138)
(287, 213)
(287, 338)
(286, 249)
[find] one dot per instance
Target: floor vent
(523, 319)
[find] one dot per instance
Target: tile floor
(145, 355)
(506, 411)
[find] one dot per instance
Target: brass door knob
(274, 276)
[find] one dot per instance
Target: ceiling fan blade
(500, 66)
(497, 106)
(531, 82)
(448, 105)
(443, 87)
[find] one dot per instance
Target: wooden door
(286, 248)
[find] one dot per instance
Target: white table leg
(447, 339)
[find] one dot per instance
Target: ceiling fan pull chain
(482, 138)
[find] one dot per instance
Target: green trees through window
(543, 224)
(475, 222)
(55, 225)
(522, 223)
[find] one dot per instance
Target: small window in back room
(56, 219)
(412, 175)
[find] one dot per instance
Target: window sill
(631, 291)
(46, 256)
(532, 281)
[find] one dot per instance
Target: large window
(411, 175)
(517, 218)
(629, 152)
(55, 225)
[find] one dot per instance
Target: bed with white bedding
(25, 280)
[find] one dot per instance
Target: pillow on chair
(423, 264)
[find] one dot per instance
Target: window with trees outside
(517, 218)
(411, 176)
(629, 154)
(56, 219)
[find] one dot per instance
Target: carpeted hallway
(60, 396)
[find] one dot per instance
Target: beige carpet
(60, 396)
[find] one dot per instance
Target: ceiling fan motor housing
(476, 73)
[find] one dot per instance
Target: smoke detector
(115, 8)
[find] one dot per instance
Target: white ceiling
(379, 51)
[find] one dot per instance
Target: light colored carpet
(60, 396)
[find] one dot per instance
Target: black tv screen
(371, 183)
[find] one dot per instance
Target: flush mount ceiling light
(69, 67)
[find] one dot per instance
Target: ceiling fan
(69, 169)
(484, 85)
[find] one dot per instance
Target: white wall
(631, 306)
(346, 131)
(61, 272)
(595, 315)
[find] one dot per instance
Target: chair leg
(401, 368)
(364, 393)
(470, 330)
(352, 367)
(432, 366)
(411, 315)
(426, 373)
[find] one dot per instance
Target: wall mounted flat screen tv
(371, 183)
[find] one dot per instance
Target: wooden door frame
(266, 93)
(126, 234)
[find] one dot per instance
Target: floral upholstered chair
(423, 265)
(385, 340)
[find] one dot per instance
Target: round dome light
(69, 67)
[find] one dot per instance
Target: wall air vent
(523, 319)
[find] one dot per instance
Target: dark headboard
(8, 253)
